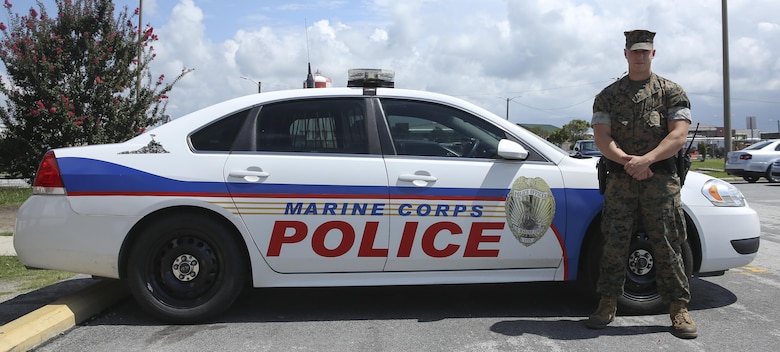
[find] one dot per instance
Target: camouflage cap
(639, 39)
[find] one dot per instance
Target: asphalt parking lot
(724, 308)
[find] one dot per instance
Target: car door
(456, 205)
(310, 190)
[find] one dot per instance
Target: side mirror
(511, 150)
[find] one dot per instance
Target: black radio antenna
(306, 27)
(692, 138)
(309, 77)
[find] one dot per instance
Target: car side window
(428, 129)
(220, 135)
(313, 125)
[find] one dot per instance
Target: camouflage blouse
(639, 116)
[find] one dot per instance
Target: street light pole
(778, 125)
(259, 84)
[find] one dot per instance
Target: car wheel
(186, 268)
(769, 176)
(640, 293)
(751, 179)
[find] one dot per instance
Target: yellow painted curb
(46, 322)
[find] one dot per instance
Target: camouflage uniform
(638, 116)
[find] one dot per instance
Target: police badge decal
(530, 208)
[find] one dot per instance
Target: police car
(358, 186)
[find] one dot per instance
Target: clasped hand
(637, 167)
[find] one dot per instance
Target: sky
(542, 60)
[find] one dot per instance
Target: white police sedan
(365, 185)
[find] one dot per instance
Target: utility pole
(507, 105)
(140, 48)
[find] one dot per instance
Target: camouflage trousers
(655, 205)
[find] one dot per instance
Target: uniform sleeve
(680, 113)
(679, 104)
(600, 112)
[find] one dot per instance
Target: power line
(514, 93)
(561, 108)
(733, 98)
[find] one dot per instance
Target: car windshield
(588, 146)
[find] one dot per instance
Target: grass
(712, 167)
(12, 271)
(14, 197)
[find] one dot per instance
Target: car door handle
(412, 178)
(248, 173)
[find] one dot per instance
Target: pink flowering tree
(75, 78)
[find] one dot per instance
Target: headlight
(722, 194)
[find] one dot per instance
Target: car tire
(751, 179)
(640, 294)
(770, 177)
(186, 268)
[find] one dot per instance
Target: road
(736, 311)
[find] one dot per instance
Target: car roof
(187, 123)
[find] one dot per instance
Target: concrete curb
(7, 246)
(46, 322)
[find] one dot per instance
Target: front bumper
(730, 236)
(746, 246)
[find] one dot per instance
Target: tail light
(745, 157)
(48, 179)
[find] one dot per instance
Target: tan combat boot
(604, 314)
(682, 324)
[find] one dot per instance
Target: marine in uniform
(640, 122)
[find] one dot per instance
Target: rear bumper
(735, 172)
(50, 235)
(743, 173)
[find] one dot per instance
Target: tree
(702, 148)
(570, 132)
(541, 132)
(81, 77)
(576, 129)
(559, 136)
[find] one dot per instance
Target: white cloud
(554, 54)
(379, 35)
(768, 27)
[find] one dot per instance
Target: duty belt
(666, 165)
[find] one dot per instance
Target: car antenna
(692, 138)
(309, 77)
(683, 161)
